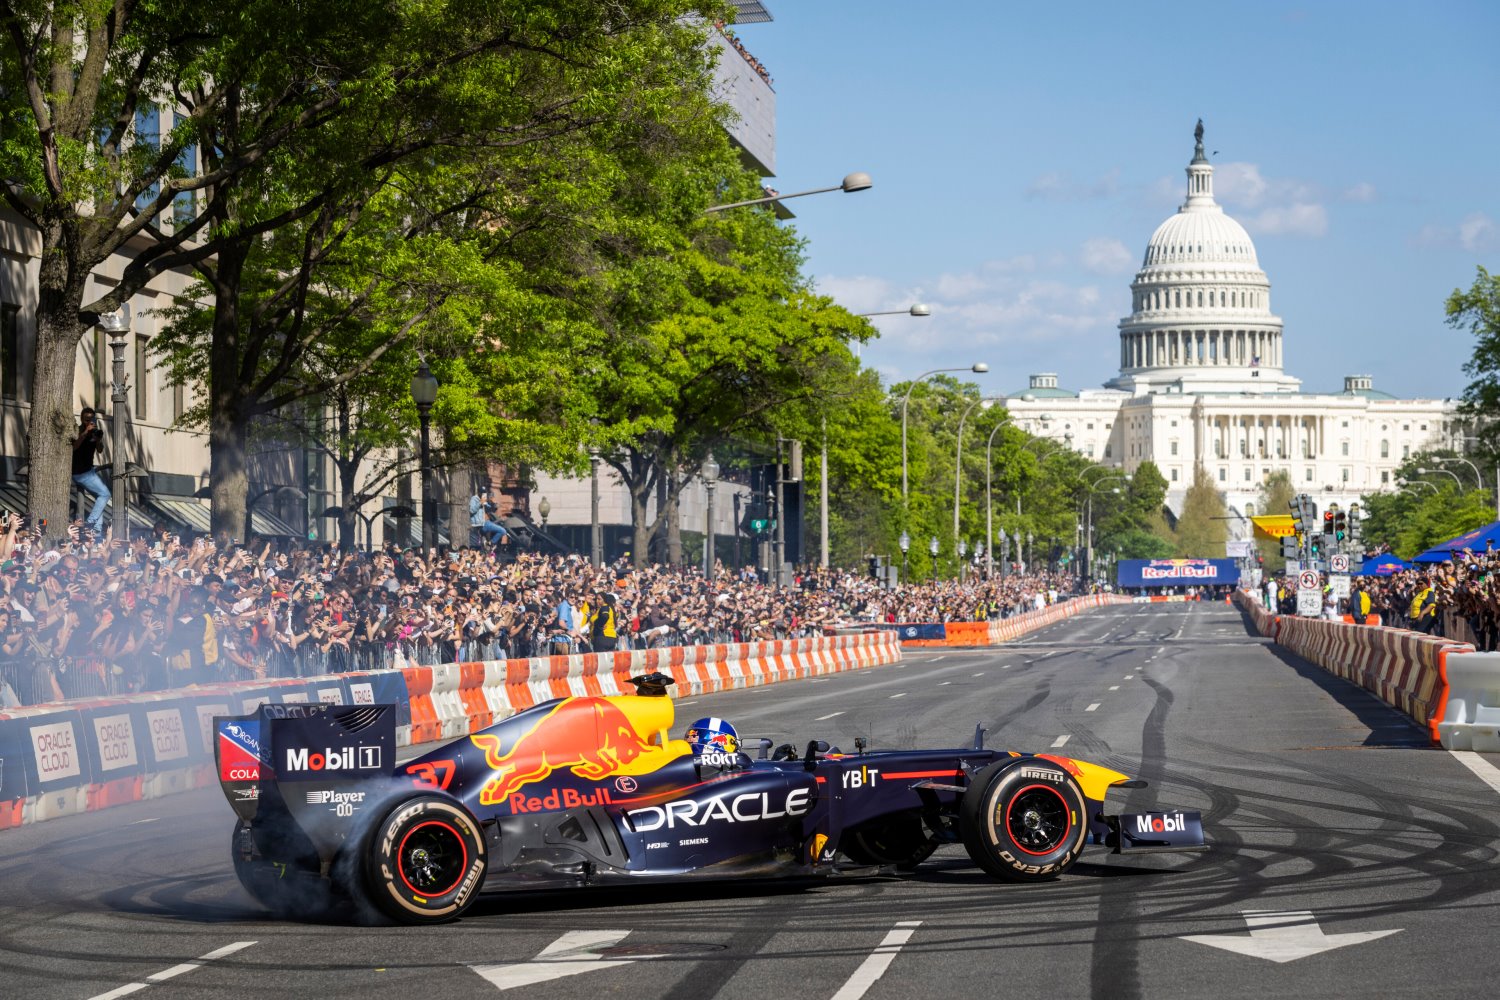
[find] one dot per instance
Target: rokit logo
(1146, 823)
(343, 803)
(333, 759)
(865, 777)
(723, 761)
(749, 807)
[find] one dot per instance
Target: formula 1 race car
(588, 791)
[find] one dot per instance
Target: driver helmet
(713, 736)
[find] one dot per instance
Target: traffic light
(1328, 522)
(1289, 547)
(1340, 526)
(875, 567)
(1354, 522)
(1315, 543)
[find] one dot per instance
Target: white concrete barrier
(1471, 715)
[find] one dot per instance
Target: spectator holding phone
(85, 446)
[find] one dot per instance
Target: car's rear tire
(899, 840)
(425, 861)
(1024, 822)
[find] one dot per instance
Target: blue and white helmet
(713, 736)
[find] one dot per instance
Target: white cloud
(1299, 219)
(1477, 233)
(1106, 255)
(1364, 191)
(857, 293)
(1056, 185)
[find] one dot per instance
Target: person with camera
(482, 518)
(85, 446)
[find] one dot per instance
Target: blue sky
(1023, 154)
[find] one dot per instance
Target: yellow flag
(1275, 525)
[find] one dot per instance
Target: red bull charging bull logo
(592, 737)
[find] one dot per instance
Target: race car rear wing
(309, 751)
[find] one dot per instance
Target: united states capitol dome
(1200, 317)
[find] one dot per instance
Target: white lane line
(1483, 769)
(1005, 666)
(138, 822)
(944, 683)
(695, 700)
(1112, 687)
(175, 970)
(935, 658)
(1060, 741)
(874, 966)
(1092, 708)
(1130, 677)
(830, 715)
(901, 695)
(980, 674)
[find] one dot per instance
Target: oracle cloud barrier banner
(1177, 572)
(15, 748)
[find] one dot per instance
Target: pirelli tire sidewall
(982, 820)
(394, 895)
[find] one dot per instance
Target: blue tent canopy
(1383, 565)
(1478, 540)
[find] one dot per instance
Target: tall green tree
(1203, 528)
(1477, 309)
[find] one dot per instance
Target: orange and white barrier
(991, 633)
(1407, 670)
(73, 757)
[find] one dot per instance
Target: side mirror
(814, 748)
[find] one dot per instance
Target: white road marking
(830, 715)
(138, 822)
(874, 966)
(1483, 769)
(573, 953)
(174, 971)
(1005, 666)
(1284, 936)
(980, 674)
(695, 700)
(1130, 677)
(901, 695)
(1093, 707)
(934, 659)
(1061, 741)
(1112, 687)
(944, 683)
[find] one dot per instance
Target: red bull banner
(1177, 572)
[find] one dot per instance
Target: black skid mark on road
(1115, 970)
(1038, 696)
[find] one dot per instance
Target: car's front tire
(425, 861)
(1024, 821)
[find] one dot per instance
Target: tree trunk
(638, 481)
(672, 513)
(348, 468)
(227, 422)
(459, 487)
(52, 426)
(659, 551)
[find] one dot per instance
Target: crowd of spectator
(1459, 599)
(87, 618)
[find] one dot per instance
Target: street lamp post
(1004, 554)
(978, 367)
(932, 547)
(1030, 548)
(424, 390)
(963, 552)
(989, 498)
(857, 181)
(596, 535)
(1088, 521)
(117, 326)
(710, 473)
(905, 542)
(544, 508)
(1465, 440)
(1446, 472)
(958, 456)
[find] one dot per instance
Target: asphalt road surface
(1332, 825)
